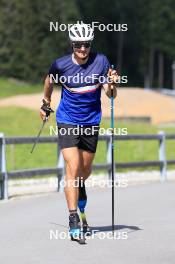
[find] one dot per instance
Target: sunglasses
(78, 45)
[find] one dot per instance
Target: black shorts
(83, 137)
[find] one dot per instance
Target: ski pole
(39, 133)
(112, 150)
(48, 110)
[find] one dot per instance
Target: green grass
(10, 87)
(22, 122)
(132, 150)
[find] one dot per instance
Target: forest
(142, 46)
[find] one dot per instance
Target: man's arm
(48, 89)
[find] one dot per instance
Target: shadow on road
(97, 229)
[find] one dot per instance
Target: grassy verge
(22, 122)
(10, 87)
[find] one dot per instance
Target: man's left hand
(113, 76)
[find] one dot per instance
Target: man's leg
(72, 159)
(78, 165)
(86, 163)
(86, 159)
(86, 167)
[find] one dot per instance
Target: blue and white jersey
(80, 102)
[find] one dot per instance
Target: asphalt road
(32, 229)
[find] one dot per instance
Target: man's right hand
(45, 110)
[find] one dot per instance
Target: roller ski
(75, 231)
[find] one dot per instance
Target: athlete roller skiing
(79, 106)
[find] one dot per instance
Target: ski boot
(75, 231)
